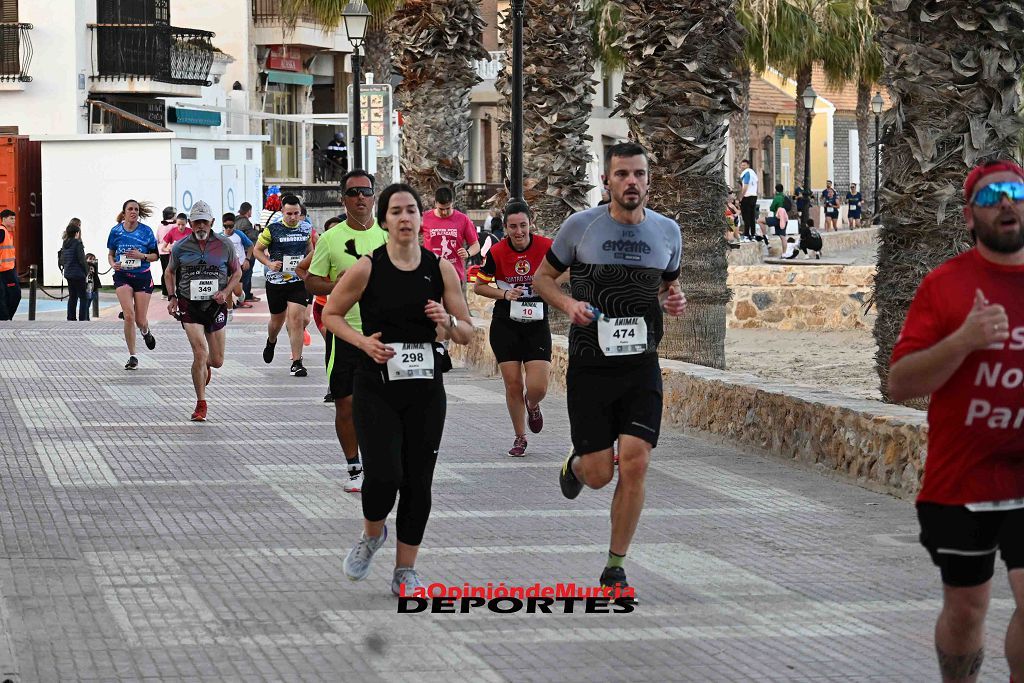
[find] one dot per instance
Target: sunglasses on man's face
(229, 225)
(991, 195)
(356, 191)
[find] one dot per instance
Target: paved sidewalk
(136, 544)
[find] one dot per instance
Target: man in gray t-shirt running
(623, 261)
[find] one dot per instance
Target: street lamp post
(516, 161)
(356, 16)
(809, 99)
(876, 106)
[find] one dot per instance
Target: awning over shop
(289, 78)
(193, 117)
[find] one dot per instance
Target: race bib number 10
(527, 311)
(622, 336)
(411, 361)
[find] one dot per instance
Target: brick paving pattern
(137, 545)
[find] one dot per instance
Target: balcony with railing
(15, 52)
(151, 59)
(270, 29)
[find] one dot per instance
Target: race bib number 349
(202, 289)
(622, 336)
(411, 361)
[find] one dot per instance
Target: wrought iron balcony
(168, 54)
(15, 52)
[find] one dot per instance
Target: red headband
(982, 170)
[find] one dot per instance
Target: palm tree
(953, 71)
(558, 86)
(435, 42)
(678, 91)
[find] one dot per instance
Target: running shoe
(357, 562)
(132, 364)
(149, 339)
(518, 449)
(253, 298)
(328, 397)
(297, 369)
(534, 418)
(571, 486)
(355, 481)
(408, 577)
(199, 414)
(615, 577)
(306, 339)
(268, 351)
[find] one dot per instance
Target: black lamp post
(876, 106)
(516, 161)
(810, 98)
(356, 16)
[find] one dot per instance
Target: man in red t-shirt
(963, 343)
(520, 336)
(449, 233)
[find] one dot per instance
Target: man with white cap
(202, 271)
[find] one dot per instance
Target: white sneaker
(357, 563)
(355, 481)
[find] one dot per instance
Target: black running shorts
(342, 359)
(279, 296)
(963, 543)
(523, 342)
(606, 401)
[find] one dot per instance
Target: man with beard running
(962, 344)
(337, 250)
(202, 272)
(623, 261)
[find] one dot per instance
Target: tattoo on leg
(957, 667)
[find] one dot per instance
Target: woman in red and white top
(520, 336)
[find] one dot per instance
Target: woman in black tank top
(406, 297)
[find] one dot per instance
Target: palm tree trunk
(377, 60)
(678, 92)
(435, 42)
(867, 166)
(803, 79)
(953, 71)
(741, 143)
(558, 88)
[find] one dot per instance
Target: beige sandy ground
(842, 362)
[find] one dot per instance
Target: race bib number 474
(622, 336)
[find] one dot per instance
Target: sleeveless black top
(394, 299)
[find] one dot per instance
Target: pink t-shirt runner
(444, 237)
(976, 419)
(176, 233)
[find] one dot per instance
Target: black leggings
(164, 260)
(748, 210)
(399, 427)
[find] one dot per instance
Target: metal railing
(15, 52)
(268, 12)
(167, 54)
(316, 196)
(475, 194)
(488, 69)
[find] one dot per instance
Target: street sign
(375, 105)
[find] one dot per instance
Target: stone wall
(876, 445)
(799, 297)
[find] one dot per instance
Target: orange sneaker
(306, 340)
(199, 414)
